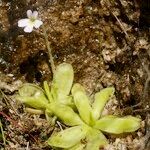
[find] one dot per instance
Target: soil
(107, 43)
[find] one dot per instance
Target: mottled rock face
(99, 38)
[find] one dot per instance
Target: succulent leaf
(62, 81)
(68, 137)
(95, 139)
(33, 96)
(65, 113)
(79, 146)
(67, 100)
(82, 103)
(47, 91)
(101, 99)
(116, 125)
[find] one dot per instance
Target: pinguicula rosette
(83, 118)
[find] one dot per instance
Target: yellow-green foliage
(72, 106)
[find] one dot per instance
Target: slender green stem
(51, 61)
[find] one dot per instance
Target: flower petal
(28, 28)
(29, 13)
(37, 23)
(35, 14)
(23, 22)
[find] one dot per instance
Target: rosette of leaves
(87, 123)
(74, 109)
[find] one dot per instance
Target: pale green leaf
(95, 139)
(67, 100)
(62, 81)
(65, 113)
(79, 146)
(116, 125)
(47, 91)
(68, 137)
(82, 103)
(101, 99)
(32, 95)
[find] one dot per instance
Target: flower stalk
(32, 21)
(51, 61)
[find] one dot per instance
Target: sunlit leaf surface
(101, 99)
(82, 103)
(95, 139)
(66, 114)
(79, 146)
(47, 91)
(62, 81)
(33, 96)
(68, 137)
(116, 125)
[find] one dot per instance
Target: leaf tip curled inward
(32, 95)
(101, 99)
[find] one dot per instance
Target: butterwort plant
(70, 104)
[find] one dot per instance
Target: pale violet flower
(31, 22)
